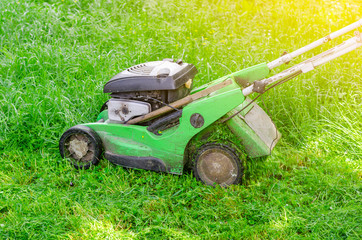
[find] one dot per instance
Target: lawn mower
(156, 120)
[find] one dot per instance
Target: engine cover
(158, 82)
(150, 76)
(122, 110)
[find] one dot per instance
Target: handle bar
(310, 64)
(288, 57)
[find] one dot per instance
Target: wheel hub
(78, 148)
(217, 166)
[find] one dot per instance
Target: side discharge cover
(255, 129)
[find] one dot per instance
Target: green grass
(55, 57)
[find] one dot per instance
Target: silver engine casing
(122, 110)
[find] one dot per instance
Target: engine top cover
(157, 75)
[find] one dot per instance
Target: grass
(55, 57)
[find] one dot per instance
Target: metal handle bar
(308, 65)
(288, 57)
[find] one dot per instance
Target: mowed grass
(55, 57)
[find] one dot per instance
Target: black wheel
(104, 106)
(81, 145)
(217, 164)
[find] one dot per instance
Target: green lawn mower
(156, 120)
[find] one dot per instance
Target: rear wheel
(217, 164)
(81, 146)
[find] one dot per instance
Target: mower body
(134, 146)
(155, 120)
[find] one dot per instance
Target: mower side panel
(169, 147)
(255, 130)
(148, 163)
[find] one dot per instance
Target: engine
(146, 87)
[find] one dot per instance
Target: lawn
(55, 57)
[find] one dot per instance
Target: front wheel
(217, 164)
(81, 145)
